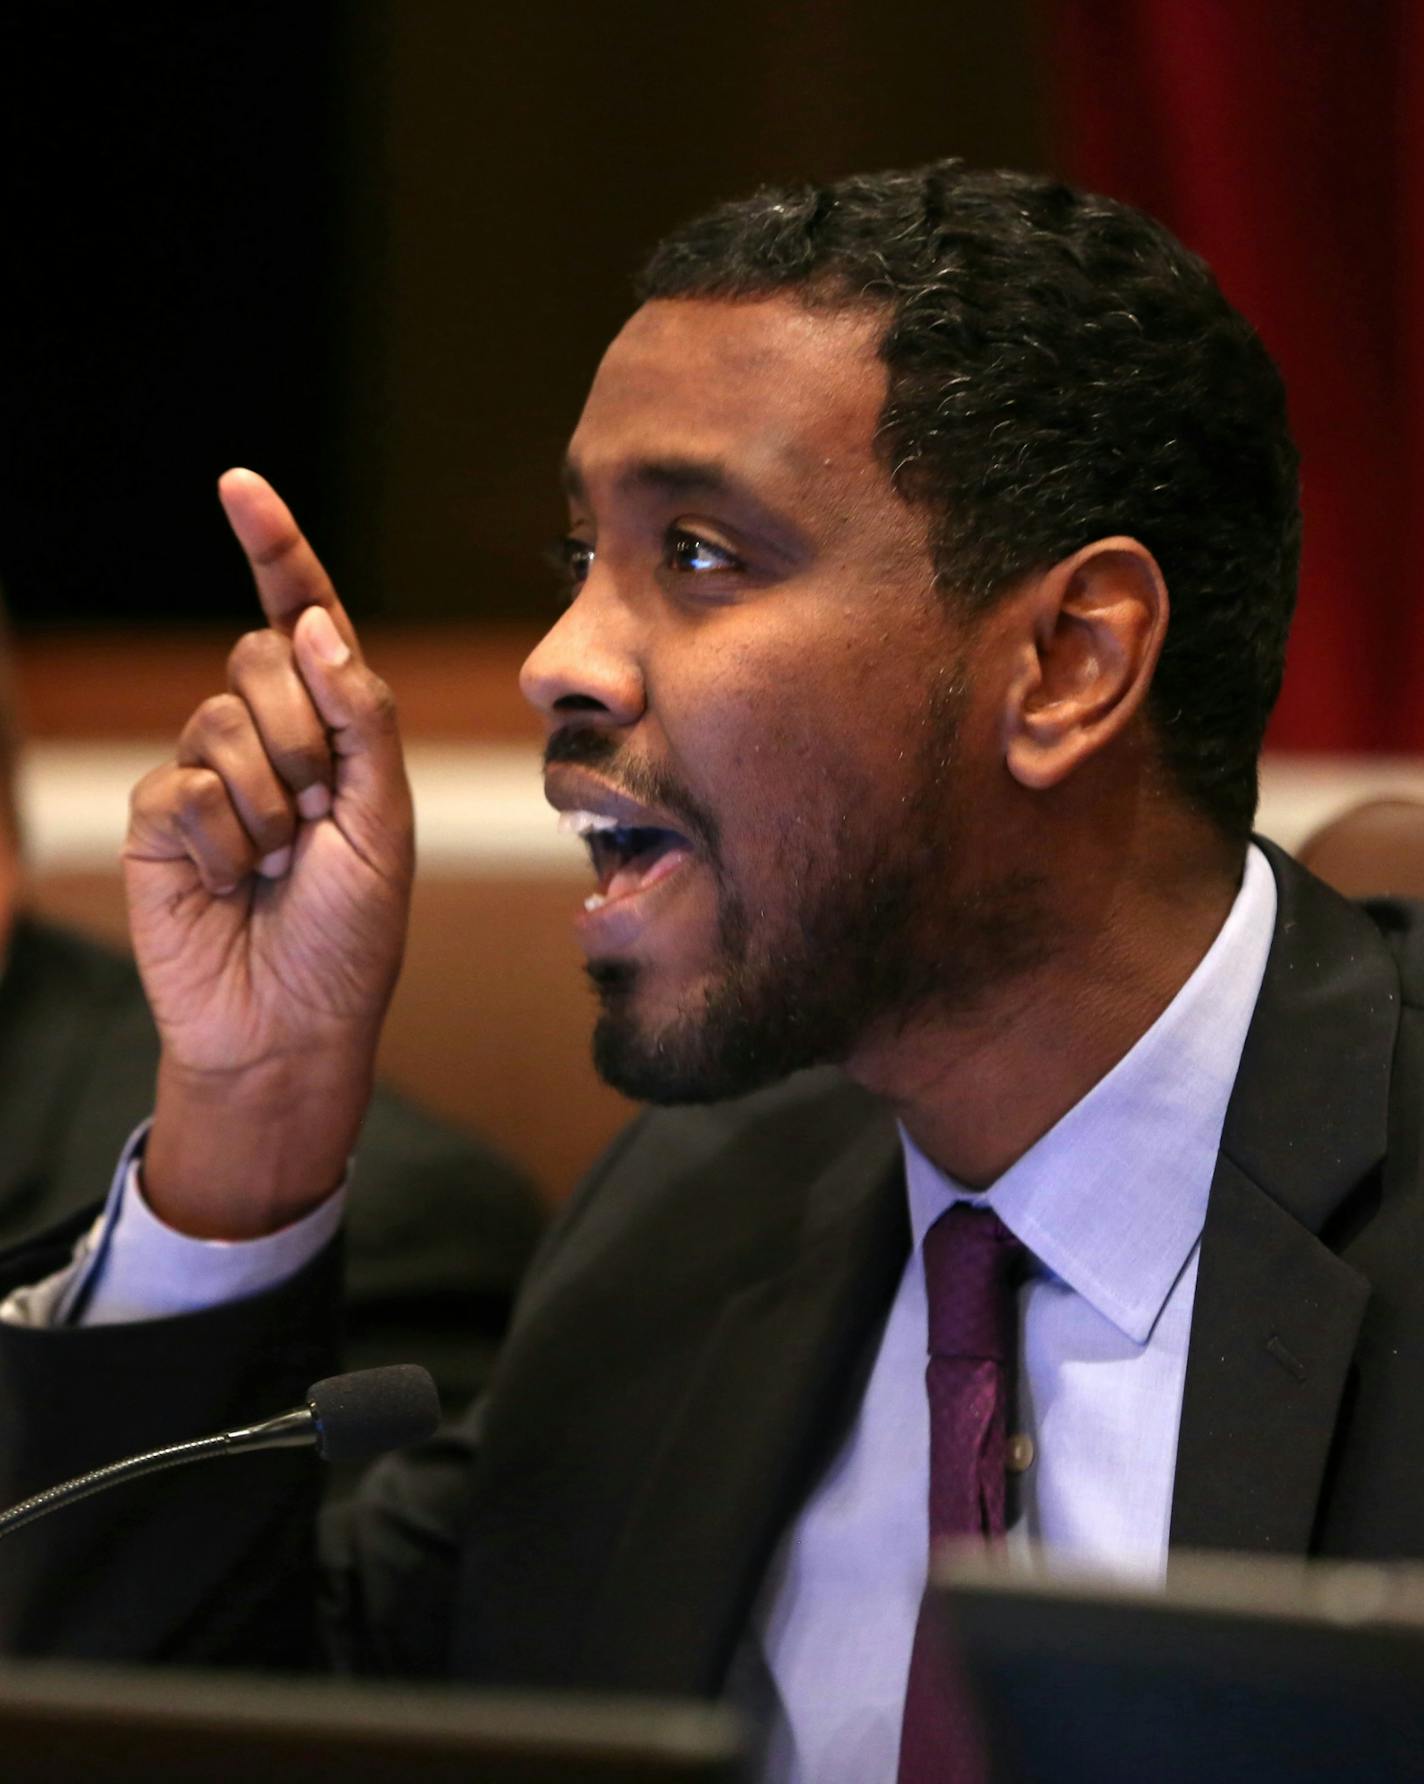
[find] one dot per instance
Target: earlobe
(1095, 625)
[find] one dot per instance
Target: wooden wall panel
(452, 682)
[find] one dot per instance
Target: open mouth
(626, 858)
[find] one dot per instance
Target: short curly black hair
(1060, 368)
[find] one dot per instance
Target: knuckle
(200, 798)
(257, 652)
(221, 717)
(152, 801)
(152, 791)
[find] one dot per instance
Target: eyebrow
(664, 476)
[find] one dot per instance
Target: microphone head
(371, 1410)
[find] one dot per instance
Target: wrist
(235, 1155)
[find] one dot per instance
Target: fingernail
(314, 802)
(326, 641)
(273, 866)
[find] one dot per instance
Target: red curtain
(1277, 138)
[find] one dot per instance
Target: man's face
(756, 702)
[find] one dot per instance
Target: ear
(1091, 631)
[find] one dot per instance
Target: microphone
(345, 1419)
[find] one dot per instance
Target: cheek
(790, 746)
(723, 708)
(791, 782)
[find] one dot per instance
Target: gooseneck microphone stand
(346, 1418)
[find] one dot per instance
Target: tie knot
(972, 1262)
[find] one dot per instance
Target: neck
(975, 1089)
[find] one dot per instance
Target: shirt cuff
(131, 1266)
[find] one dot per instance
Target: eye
(693, 554)
(573, 559)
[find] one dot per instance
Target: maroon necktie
(972, 1261)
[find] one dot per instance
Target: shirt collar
(1113, 1197)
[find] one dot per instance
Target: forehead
(765, 387)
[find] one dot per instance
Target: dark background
(375, 249)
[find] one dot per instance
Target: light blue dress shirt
(1110, 1202)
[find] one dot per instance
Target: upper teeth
(584, 823)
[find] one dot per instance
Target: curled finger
(222, 735)
(262, 672)
(181, 811)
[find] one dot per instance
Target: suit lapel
(1277, 1314)
(1273, 1334)
(771, 1397)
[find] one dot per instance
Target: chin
(662, 1068)
(652, 1055)
(725, 1040)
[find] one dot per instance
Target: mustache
(585, 746)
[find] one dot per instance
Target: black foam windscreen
(371, 1410)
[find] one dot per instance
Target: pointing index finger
(287, 572)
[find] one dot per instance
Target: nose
(586, 665)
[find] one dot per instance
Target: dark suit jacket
(692, 1345)
(440, 1231)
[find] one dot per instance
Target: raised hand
(268, 870)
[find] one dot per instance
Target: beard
(866, 931)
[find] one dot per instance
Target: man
(932, 543)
